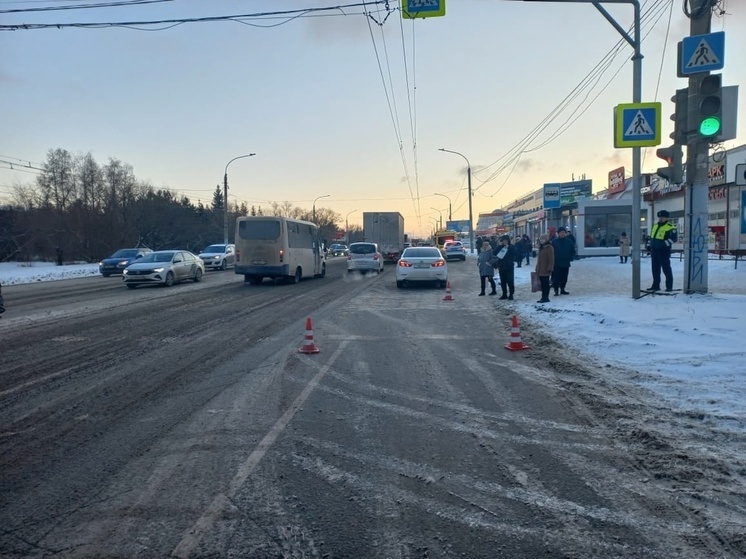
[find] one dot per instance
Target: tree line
(87, 211)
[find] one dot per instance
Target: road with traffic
(183, 422)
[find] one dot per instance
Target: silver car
(164, 267)
(218, 257)
(364, 257)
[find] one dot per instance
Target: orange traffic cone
(515, 337)
(448, 292)
(308, 346)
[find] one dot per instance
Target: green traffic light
(710, 126)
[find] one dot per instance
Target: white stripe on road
(35, 381)
(190, 540)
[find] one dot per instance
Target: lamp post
(347, 226)
(314, 205)
(450, 217)
(225, 196)
(441, 216)
(471, 219)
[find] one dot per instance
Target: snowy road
(184, 422)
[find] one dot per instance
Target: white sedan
(164, 267)
(420, 264)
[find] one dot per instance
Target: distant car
(364, 257)
(164, 267)
(218, 257)
(421, 264)
(122, 258)
(338, 249)
(454, 250)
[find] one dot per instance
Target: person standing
(564, 252)
(544, 266)
(526, 248)
(478, 245)
(486, 271)
(507, 256)
(623, 248)
(662, 238)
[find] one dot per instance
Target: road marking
(191, 538)
(35, 381)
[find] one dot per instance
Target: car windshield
(215, 248)
(125, 253)
(421, 252)
(362, 248)
(157, 257)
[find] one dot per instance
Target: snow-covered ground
(689, 349)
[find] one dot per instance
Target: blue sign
(552, 195)
(640, 124)
(702, 53)
(461, 226)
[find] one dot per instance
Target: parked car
(164, 267)
(364, 257)
(122, 258)
(421, 264)
(218, 257)
(454, 250)
(338, 249)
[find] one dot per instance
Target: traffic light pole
(697, 170)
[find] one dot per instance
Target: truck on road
(386, 229)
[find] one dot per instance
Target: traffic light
(672, 155)
(680, 134)
(710, 108)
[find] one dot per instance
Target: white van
(277, 247)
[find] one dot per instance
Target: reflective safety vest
(663, 235)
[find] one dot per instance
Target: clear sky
(326, 100)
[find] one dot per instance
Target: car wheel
(442, 284)
(169, 279)
(463, 259)
(224, 265)
(198, 276)
(106, 275)
(131, 285)
(399, 284)
(298, 275)
(254, 280)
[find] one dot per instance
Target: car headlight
(124, 272)
(124, 262)
(158, 270)
(216, 257)
(101, 263)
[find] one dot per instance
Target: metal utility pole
(697, 169)
(471, 215)
(314, 205)
(450, 217)
(635, 42)
(225, 196)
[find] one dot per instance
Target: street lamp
(471, 219)
(450, 217)
(441, 216)
(314, 205)
(347, 226)
(225, 196)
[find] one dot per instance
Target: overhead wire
(514, 154)
(412, 109)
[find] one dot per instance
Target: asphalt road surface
(183, 422)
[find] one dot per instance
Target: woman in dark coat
(507, 255)
(544, 266)
(486, 271)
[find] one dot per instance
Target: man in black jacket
(564, 253)
(507, 255)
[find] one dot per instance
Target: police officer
(662, 237)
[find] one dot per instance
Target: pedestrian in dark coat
(564, 252)
(525, 247)
(478, 245)
(493, 243)
(507, 256)
(662, 238)
(486, 271)
(544, 266)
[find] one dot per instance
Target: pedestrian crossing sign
(413, 9)
(637, 125)
(701, 53)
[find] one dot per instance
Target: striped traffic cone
(448, 292)
(515, 337)
(308, 345)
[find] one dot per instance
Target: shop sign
(571, 191)
(716, 174)
(718, 193)
(616, 181)
(520, 202)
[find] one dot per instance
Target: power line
(82, 6)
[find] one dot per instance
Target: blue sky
(307, 96)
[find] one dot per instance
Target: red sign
(718, 193)
(616, 181)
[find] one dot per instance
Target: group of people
(553, 259)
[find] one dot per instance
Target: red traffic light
(666, 154)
